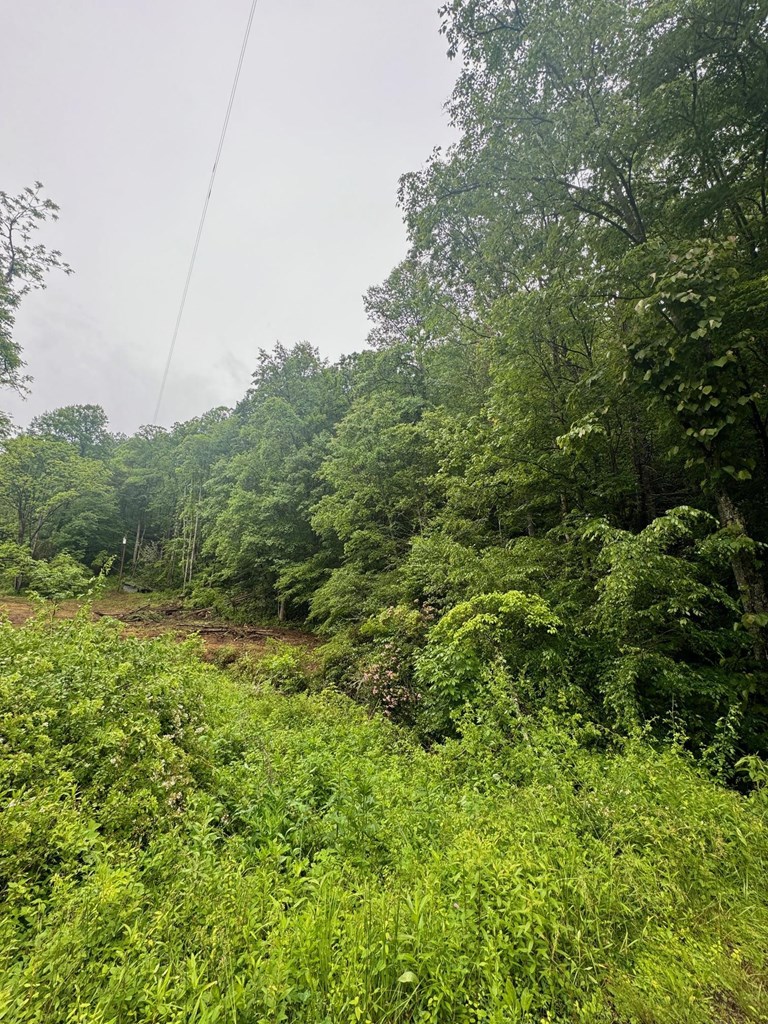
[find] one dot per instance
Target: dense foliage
(181, 846)
(564, 405)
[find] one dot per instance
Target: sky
(117, 108)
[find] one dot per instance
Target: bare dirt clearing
(152, 615)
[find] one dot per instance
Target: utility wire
(205, 210)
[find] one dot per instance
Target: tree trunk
(136, 547)
(748, 578)
(192, 551)
(645, 498)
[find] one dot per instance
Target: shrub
(96, 720)
(15, 563)
(512, 633)
(282, 665)
(389, 645)
(59, 578)
(668, 632)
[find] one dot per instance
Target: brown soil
(146, 616)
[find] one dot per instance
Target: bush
(15, 563)
(513, 634)
(374, 661)
(59, 578)
(282, 665)
(667, 637)
(203, 596)
(97, 719)
(389, 645)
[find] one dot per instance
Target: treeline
(564, 398)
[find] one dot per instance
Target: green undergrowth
(177, 844)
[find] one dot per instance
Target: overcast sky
(117, 107)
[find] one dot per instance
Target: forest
(522, 777)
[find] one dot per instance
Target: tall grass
(179, 846)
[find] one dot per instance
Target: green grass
(177, 845)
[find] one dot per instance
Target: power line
(205, 210)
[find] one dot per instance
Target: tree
(83, 426)
(51, 499)
(10, 353)
(24, 265)
(258, 514)
(378, 470)
(145, 478)
(613, 153)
